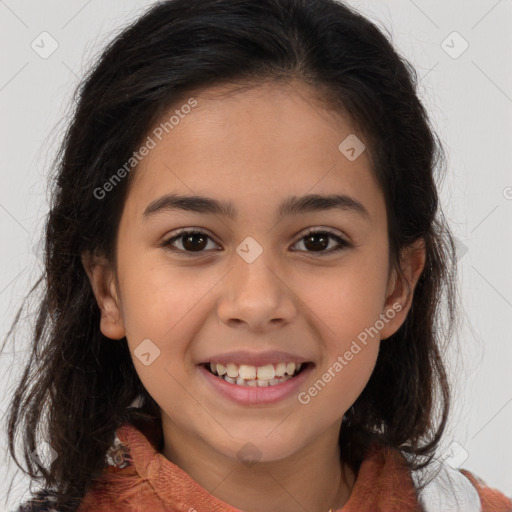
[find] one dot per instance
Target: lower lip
(246, 395)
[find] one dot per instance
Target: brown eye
(192, 241)
(318, 241)
(195, 241)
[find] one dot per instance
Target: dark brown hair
(78, 384)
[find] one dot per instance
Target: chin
(253, 447)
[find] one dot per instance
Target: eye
(318, 241)
(195, 241)
(191, 240)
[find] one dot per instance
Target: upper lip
(255, 358)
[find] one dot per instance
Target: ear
(101, 277)
(400, 290)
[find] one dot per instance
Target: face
(254, 288)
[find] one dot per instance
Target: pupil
(190, 239)
(310, 238)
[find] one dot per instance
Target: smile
(255, 376)
(266, 384)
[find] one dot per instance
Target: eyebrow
(293, 205)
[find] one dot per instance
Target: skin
(255, 147)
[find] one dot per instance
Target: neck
(270, 486)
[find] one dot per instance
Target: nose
(256, 296)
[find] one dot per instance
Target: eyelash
(167, 244)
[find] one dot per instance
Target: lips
(256, 392)
(255, 377)
(244, 357)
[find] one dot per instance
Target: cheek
(340, 380)
(347, 299)
(160, 300)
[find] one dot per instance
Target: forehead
(252, 147)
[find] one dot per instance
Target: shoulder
(443, 487)
(117, 457)
(491, 499)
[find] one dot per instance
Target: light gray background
(469, 98)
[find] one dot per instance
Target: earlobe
(401, 286)
(101, 278)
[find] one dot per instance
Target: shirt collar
(383, 482)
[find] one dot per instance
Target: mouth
(267, 375)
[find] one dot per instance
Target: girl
(245, 261)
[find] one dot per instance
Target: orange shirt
(139, 478)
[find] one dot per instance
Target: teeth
(247, 372)
(232, 370)
(290, 368)
(261, 376)
(280, 369)
(266, 372)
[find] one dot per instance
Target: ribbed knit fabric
(141, 479)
